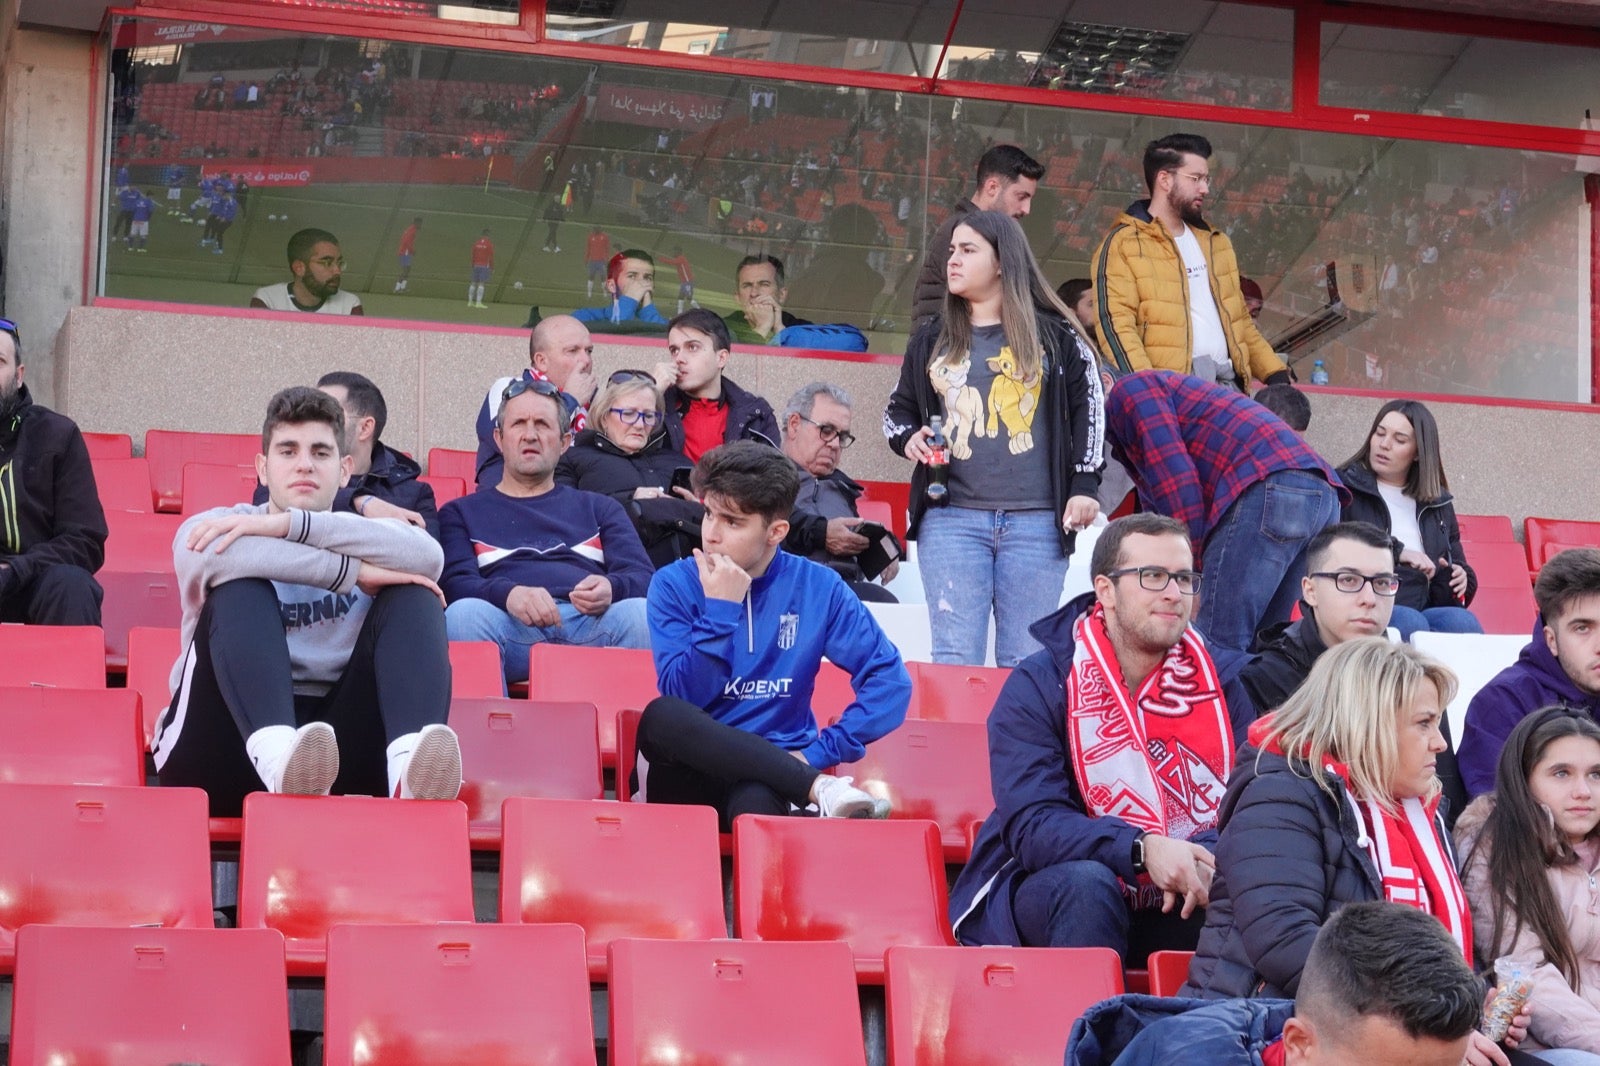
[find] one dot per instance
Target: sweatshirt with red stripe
(494, 542)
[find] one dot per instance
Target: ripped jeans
(974, 562)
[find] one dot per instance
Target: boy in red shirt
(482, 265)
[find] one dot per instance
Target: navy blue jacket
(750, 416)
(1040, 818)
(1441, 537)
(392, 478)
(1154, 1031)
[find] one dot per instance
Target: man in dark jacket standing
(52, 529)
(1007, 179)
(1106, 802)
(704, 407)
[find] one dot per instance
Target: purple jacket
(1534, 681)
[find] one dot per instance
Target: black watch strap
(1137, 855)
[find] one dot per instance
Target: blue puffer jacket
(1153, 1031)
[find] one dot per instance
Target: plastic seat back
(101, 855)
(613, 679)
(933, 770)
(1499, 565)
(123, 485)
(1507, 609)
(52, 656)
(475, 671)
(517, 748)
(1484, 528)
(1168, 971)
(132, 997)
(444, 489)
(208, 485)
(307, 863)
(63, 736)
(141, 542)
(991, 1006)
(168, 451)
(491, 995)
(453, 462)
(731, 1001)
(108, 445)
(151, 654)
(1474, 658)
(616, 869)
(1547, 536)
(945, 693)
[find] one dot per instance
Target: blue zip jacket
(753, 665)
(622, 309)
(1155, 1031)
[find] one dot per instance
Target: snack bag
(1514, 985)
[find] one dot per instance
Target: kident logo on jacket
(762, 688)
(488, 554)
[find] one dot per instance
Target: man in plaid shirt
(1250, 490)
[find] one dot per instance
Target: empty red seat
(1485, 527)
(933, 770)
(140, 543)
(945, 693)
(475, 671)
(452, 462)
(506, 995)
(123, 484)
(991, 1006)
(613, 679)
(108, 445)
(168, 451)
(151, 655)
(1168, 971)
(102, 855)
(128, 997)
(1546, 536)
(52, 656)
(208, 485)
(444, 488)
(731, 1001)
(1505, 609)
(64, 736)
(616, 869)
(871, 884)
(1499, 565)
(307, 863)
(521, 748)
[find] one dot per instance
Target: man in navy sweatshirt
(739, 632)
(529, 561)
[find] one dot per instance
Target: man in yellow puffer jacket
(1167, 284)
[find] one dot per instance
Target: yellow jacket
(1143, 298)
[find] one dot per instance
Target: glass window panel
(1457, 76)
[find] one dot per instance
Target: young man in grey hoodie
(314, 651)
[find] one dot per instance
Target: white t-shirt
(277, 298)
(1210, 349)
(1402, 516)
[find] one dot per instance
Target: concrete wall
(126, 370)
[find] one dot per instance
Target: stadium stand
(123, 484)
(453, 462)
(945, 693)
(613, 679)
(208, 485)
(1547, 536)
(169, 451)
(52, 656)
(444, 488)
(1168, 971)
(64, 736)
(521, 748)
(475, 670)
(108, 445)
(937, 771)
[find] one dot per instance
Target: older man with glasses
(316, 270)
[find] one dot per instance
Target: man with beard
(52, 530)
(317, 269)
(1167, 284)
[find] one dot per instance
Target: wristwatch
(1138, 853)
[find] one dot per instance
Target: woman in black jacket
(1397, 483)
(627, 456)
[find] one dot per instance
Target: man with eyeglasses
(822, 526)
(560, 351)
(52, 528)
(1109, 751)
(317, 270)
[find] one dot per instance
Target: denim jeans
(622, 626)
(974, 562)
(1256, 555)
(1409, 620)
(1566, 1057)
(1079, 904)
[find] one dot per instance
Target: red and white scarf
(1158, 759)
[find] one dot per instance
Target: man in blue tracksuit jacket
(738, 633)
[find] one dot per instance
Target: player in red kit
(482, 265)
(408, 241)
(595, 254)
(685, 276)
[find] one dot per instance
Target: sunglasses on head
(630, 375)
(8, 326)
(519, 386)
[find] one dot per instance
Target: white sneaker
(308, 766)
(433, 770)
(838, 797)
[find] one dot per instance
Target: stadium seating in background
(108, 445)
(139, 579)
(444, 488)
(95, 995)
(1168, 971)
(521, 748)
(123, 485)
(168, 451)
(933, 770)
(152, 652)
(1484, 528)
(208, 485)
(613, 679)
(141, 542)
(102, 855)
(308, 863)
(991, 1006)
(616, 869)
(52, 656)
(475, 671)
(682, 1001)
(64, 736)
(871, 884)
(945, 693)
(457, 993)
(1475, 658)
(1547, 536)
(453, 462)
(1505, 609)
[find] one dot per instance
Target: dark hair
(614, 267)
(10, 328)
(1569, 575)
(1389, 960)
(1288, 403)
(761, 260)
(1167, 154)
(364, 397)
(703, 321)
(302, 242)
(1108, 549)
(1072, 291)
(1360, 532)
(1519, 843)
(298, 405)
(1008, 163)
(1425, 481)
(754, 477)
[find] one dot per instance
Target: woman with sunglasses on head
(1397, 483)
(625, 454)
(1009, 372)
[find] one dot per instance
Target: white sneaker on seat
(838, 797)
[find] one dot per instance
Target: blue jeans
(1256, 555)
(1565, 1056)
(974, 562)
(1080, 904)
(1409, 620)
(622, 626)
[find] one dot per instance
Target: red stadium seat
(52, 656)
(618, 870)
(123, 484)
(1505, 609)
(475, 671)
(1546, 536)
(933, 770)
(1168, 971)
(168, 451)
(307, 863)
(141, 543)
(897, 494)
(833, 693)
(444, 489)
(507, 995)
(133, 599)
(99, 855)
(1483, 528)
(208, 485)
(1499, 565)
(727, 1001)
(991, 1006)
(517, 748)
(123, 996)
(151, 655)
(871, 884)
(945, 693)
(451, 462)
(108, 445)
(879, 511)
(63, 736)
(613, 679)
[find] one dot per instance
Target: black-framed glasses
(829, 432)
(636, 416)
(618, 377)
(1157, 578)
(1350, 581)
(328, 262)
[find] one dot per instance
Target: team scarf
(1160, 758)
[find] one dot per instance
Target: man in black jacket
(704, 407)
(52, 529)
